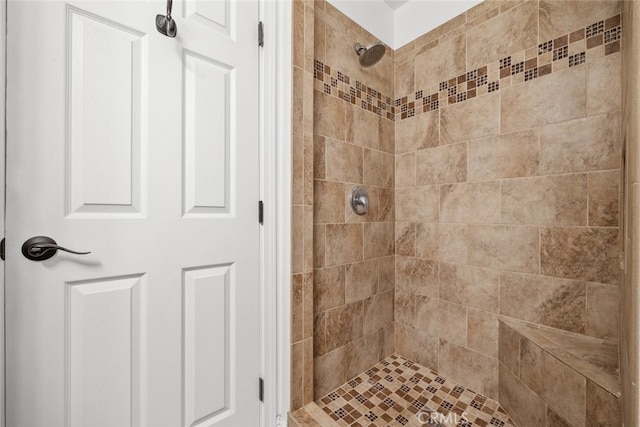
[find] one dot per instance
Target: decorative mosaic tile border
(398, 392)
(339, 84)
(570, 50)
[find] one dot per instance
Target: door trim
(275, 115)
(3, 147)
(275, 159)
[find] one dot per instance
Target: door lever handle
(41, 248)
(165, 23)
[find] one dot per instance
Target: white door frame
(275, 191)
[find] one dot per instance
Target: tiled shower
(492, 151)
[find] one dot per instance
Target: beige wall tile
(386, 273)
(442, 318)
(329, 202)
(427, 241)
(329, 116)
(344, 324)
(505, 156)
(363, 353)
(603, 311)
(297, 170)
(553, 200)
(318, 246)
(297, 102)
(441, 63)
(416, 275)
(581, 253)
(329, 371)
(382, 204)
(559, 17)
(378, 311)
(297, 360)
(308, 153)
(416, 133)
(404, 307)
(469, 285)
(405, 170)
(378, 239)
(417, 204)
(361, 280)
(308, 106)
(320, 30)
(604, 198)
(387, 131)
(522, 405)
(309, 35)
(307, 301)
(603, 408)
(405, 235)
(564, 390)
(307, 376)
(308, 239)
(417, 345)
(509, 32)
(343, 243)
(555, 420)
(378, 168)
(604, 89)
(509, 348)
(405, 79)
(512, 248)
(297, 22)
(532, 366)
(362, 127)
(445, 242)
(320, 344)
(482, 332)
(344, 162)
(476, 370)
(297, 239)
(538, 101)
(559, 303)
(588, 144)
(388, 344)
(475, 118)
(297, 308)
(427, 315)
(470, 202)
(444, 164)
(329, 288)
(319, 158)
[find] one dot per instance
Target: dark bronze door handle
(41, 248)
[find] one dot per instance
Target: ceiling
(397, 22)
(395, 4)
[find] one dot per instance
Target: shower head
(370, 54)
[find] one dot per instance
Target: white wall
(409, 21)
(373, 15)
(417, 17)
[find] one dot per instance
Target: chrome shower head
(370, 54)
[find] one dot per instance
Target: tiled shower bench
(549, 377)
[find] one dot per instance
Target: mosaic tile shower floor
(399, 392)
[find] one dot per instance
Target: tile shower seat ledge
(593, 358)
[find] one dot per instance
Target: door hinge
(260, 34)
(261, 389)
(261, 212)
(2, 248)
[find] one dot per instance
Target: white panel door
(142, 149)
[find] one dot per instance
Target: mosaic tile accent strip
(338, 84)
(399, 392)
(570, 50)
